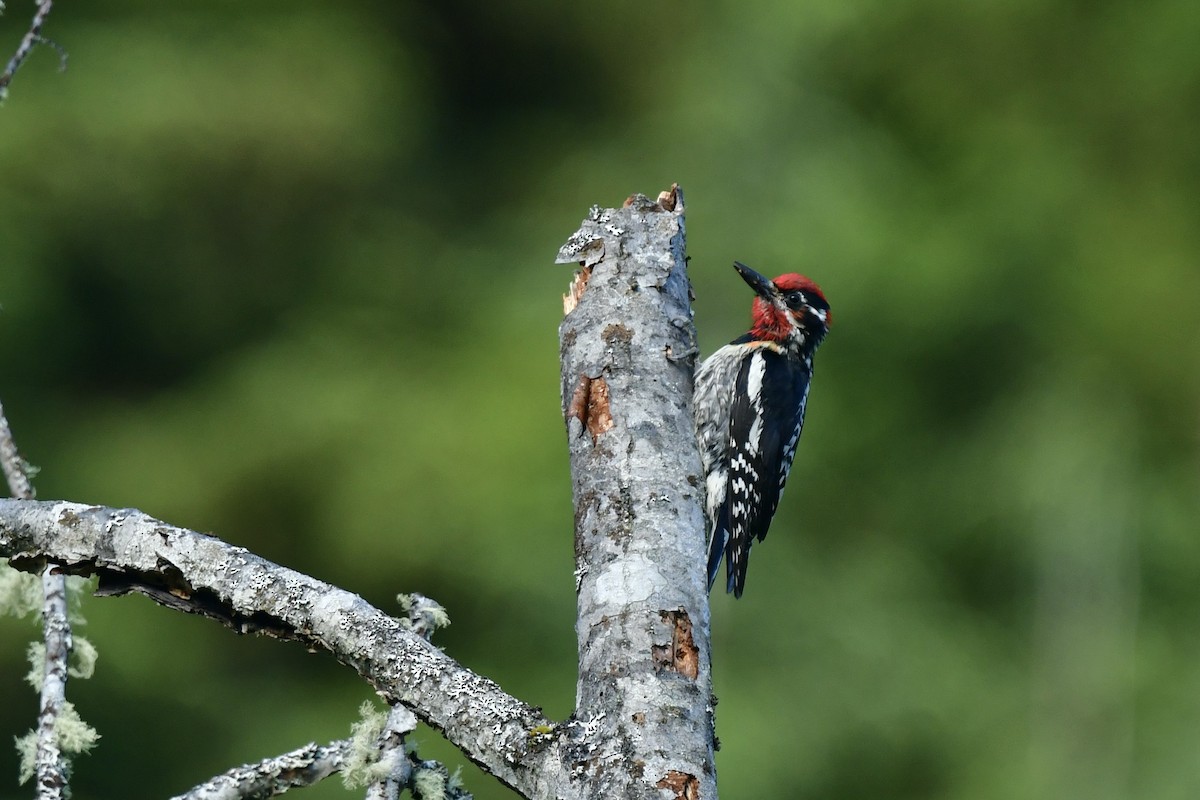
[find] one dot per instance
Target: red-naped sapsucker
(750, 399)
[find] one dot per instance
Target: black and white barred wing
(765, 419)
(714, 395)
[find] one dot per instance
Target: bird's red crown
(772, 322)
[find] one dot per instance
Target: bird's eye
(794, 299)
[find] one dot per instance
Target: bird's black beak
(759, 283)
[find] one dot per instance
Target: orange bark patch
(681, 655)
(685, 786)
(577, 408)
(599, 415)
(589, 405)
(575, 290)
(669, 199)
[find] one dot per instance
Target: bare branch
(643, 723)
(16, 471)
(193, 572)
(32, 38)
(628, 351)
(400, 722)
(273, 776)
(376, 746)
(50, 763)
(314, 763)
(424, 617)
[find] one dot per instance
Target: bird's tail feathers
(716, 549)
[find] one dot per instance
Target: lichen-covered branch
(628, 355)
(374, 754)
(50, 766)
(50, 763)
(193, 572)
(424, 617)
(391, 755)
(273, 776)
(643, 724)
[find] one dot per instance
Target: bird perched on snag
(750, 399)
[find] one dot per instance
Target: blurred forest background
(282, 271)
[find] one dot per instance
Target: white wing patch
(754, 387)
(715, 483)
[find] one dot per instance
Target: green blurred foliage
(282, 271)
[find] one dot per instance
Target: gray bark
(628, 351)
(643, 725)
(273, 776)
(193, 572)
(50, 766)
(50, 763)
